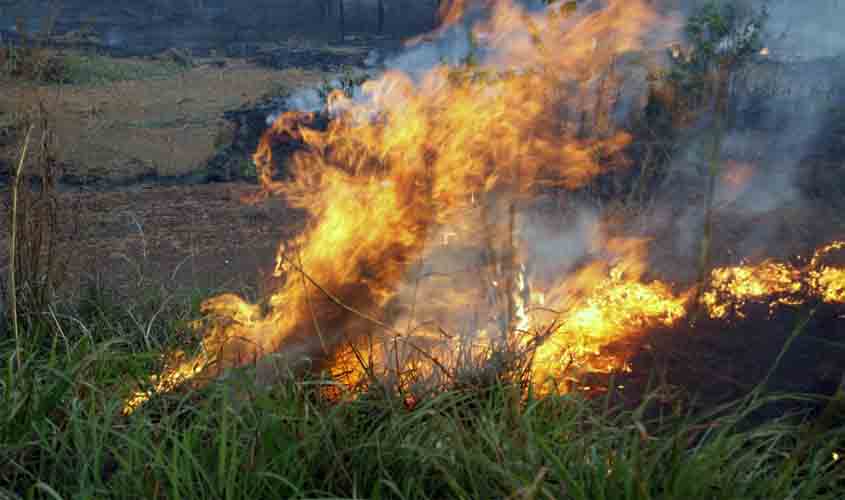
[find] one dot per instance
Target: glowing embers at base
(731, 288)
(826, 280)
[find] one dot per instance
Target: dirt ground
(179, 237)
(166, 125)
(121, 230)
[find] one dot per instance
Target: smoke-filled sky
(816, 31)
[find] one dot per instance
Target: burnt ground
(795, 350)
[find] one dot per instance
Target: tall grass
(13, 240)
(63, 434)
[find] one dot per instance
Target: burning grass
(460, 154)
(470, 148)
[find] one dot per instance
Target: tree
(723, 38)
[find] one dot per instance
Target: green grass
(82, 69)
(62, 434)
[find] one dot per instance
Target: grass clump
(63, 433)
(82, 69)
(47, 66)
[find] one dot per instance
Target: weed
(81, 69)
(35, 264)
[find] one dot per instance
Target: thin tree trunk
(720, 108)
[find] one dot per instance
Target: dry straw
(13, 245)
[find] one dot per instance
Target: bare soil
(123, 230)
(167, 126)
(187, 237)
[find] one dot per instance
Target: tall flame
(449, 157)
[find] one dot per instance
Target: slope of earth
(186, 236)
(166, 125)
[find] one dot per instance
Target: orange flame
(453, 156)
(778, 283)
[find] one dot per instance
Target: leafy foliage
(720, 35)
(347, 83)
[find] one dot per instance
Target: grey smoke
(779, 105)
(779, 109)
(307, 100)
(556, 249)
(807, 30)
(114, 38)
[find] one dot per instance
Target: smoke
(779, 105)
(776, 114)
(556, 249)
(777, 108)
(114, 38)
(797, 30)
(512, 48)
(307, 100)
(514, 41)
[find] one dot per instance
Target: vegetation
(79, 68)
(723, 39)
(64, 435)
(34, 59)
(82, 69)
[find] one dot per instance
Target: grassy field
(64, 434)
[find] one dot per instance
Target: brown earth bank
(173, 237)
(164, 126)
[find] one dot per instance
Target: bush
(32, 64)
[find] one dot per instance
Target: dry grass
(34, 263)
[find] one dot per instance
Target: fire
(452, 11)
(616, 308)
(778, 283)
(827, 281)
(732, 287)
(411, 266)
